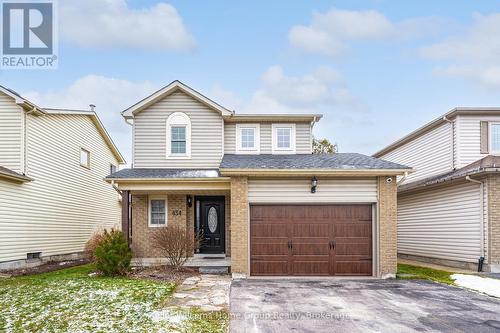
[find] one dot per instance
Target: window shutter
(484, 137)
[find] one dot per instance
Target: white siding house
(445, 211)
(64, 202)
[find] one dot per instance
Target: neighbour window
(85, 158)
(248, 138)
(112, 168)
(178, 140)
(495, 138)
(284, 138)
(178, 135)
(158, 216)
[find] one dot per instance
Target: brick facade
(387, 226)
(239, 225)
(141, 232)
(493, 231)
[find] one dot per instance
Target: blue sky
(375, 69)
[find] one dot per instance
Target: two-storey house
(52, 189)
(449, 209)
(265, 204)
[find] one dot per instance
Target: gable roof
(100, 127)
(436, 122)
(169, 89)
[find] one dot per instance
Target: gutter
(20, 178)
(481, 224)
(402, 179)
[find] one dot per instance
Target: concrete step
(214, 270)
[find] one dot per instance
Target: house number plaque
(176, 212)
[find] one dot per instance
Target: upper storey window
(284, 138)
(178, 136)
(495, 138)
(248, 138)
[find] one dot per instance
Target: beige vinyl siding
(299, 191)
(302, 137)
(57, 212)
(430, 154)
(441, 223)
(469, 138)
(11, 134)
(150, 134)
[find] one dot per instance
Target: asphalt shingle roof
(307, 161)
(165, 173)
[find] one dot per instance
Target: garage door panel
(302, 237)
(269, 248)
(311, 248)
(354, 248)
(306, 230)
(309, 267)
(270, 268)
(348, 268)
(269, 230)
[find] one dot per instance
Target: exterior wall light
(189, 201)
(314, 183)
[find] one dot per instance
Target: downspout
(452, 123)
(402, 178)
(481, 214)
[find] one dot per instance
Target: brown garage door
(311, 240)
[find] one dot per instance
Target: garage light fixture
(189, 201)
(314, 183)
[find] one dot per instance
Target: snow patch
(485, 285)
(173, 317)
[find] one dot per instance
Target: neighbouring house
(265, 204)
(449, 209)
(52, 188)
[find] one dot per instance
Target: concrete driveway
(359, 306)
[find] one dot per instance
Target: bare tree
(175, 243)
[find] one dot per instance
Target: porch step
(214, 270)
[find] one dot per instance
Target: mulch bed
(163, 273)
(44, 268)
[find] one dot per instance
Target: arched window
(178, 136)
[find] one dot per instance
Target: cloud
(113, 24)
(473, 55)
(226, 98)
(281, 93)
(329, 33)
(111, 96)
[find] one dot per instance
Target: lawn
(70, 300)
(406, 271)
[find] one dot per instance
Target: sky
(375, 69)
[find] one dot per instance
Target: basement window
(33, 255)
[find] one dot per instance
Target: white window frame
(87, 166)
(245, 150)
(157, 197)
(490, 138)
(178, 119)
(276, 149)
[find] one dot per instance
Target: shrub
(113, 255)
(176, 244)
(95, 239)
